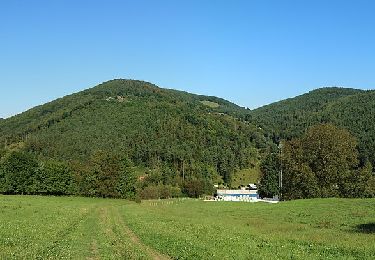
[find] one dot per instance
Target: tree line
(108, 175)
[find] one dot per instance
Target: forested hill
(127, 138)
(352, 109)
(157, 128)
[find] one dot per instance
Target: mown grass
(304, 229)
(63, 228)
(35, 227)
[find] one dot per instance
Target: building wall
(237, 195)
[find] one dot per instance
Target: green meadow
(35, 227)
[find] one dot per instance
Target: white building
(237, 195)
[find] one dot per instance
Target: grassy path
(127, 232)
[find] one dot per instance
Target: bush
(54, 178)
(160, 192)
(138, 199)
(197, 187)
(18, 172)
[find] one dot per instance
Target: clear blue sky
(249, 52)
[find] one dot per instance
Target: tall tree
(269, 179)
(321, 163)
(332, 155)
(299, 181)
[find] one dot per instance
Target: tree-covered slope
(180, 135)
(357, 114)
(154, 127)
(290, 117)
(348, 108)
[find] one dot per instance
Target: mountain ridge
(187, 133)
(153, 127)
(353, 109)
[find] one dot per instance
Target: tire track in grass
(123, 246)
(49, 251)
(135, 239)
(86, 241)
(94, 251)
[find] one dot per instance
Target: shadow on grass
(368, 228)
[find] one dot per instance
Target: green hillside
(352, 109)
(172, 140)
(181, 133)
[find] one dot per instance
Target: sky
(251, 52)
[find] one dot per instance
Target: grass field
(33, 227)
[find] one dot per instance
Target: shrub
(160, 192)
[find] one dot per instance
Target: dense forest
(132, 139)
(351, 109)
(170, 137)
(316, 131)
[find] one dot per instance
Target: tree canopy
(270, 175)
(323, 163)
